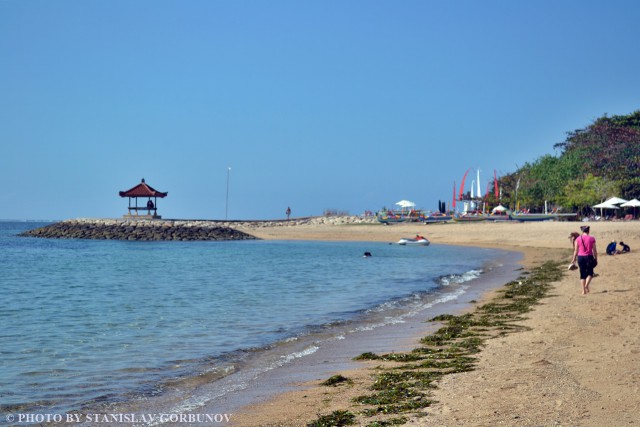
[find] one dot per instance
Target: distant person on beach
(288, 212)
(586, 254)
(625, 248)
(611, 248)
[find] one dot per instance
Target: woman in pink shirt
(587, 256)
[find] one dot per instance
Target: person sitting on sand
(625, 248)
(611, 248)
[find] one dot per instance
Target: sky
(239, 109)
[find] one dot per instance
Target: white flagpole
(226, 207)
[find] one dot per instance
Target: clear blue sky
(347, 105)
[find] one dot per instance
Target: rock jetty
(306, 221)
(154, 229)
(126, 229)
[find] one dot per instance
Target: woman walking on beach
(587, 256)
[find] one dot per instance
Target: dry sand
(578, 365)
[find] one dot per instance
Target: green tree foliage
(508, 185)
(597, 162)
(609, 148)
(581, 193)
(545, 179)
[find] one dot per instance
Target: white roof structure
(605, 205)
(633, 203)
(615, 201)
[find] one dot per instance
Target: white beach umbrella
(633, 203)
(498, 208)
(615, 201)
(406, 204)
(605, 205)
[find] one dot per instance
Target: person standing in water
(586, 254)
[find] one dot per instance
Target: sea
(92, 325)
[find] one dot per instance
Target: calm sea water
(92, 322)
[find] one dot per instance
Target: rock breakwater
(174, 229)
(306, 221)
(125, 229)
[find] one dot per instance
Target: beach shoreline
(486, 386)
(260, 376)
(337, 355)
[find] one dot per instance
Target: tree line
(595, 163)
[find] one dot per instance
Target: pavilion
(143, 190)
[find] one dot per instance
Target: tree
(582, 193)
(610, 147)
(544, 180)
(594, 163)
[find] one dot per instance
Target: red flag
(462, 184)
(453, 202)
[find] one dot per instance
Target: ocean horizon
(89, 324)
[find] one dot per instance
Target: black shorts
(585, 262)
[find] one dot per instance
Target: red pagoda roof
(142, 190)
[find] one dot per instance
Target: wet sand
(577, 365)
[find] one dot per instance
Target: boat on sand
(499, 217)
(470, 217)
(526, 217)
(437, 217)
(394, 216)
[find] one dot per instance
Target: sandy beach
(577, 364)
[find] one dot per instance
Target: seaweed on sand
(334, 419)
(402, 382)
(336, 380)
